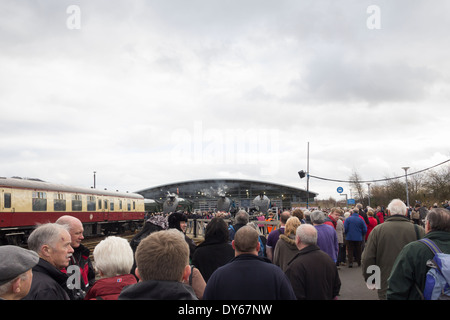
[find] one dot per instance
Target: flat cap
(14, 261)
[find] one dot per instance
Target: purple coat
(327, 240)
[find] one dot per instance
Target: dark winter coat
(48, 283)
(158, 290)
(313, 275)
(211, 255)
(248, 277)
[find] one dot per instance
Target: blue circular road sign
(340, 190)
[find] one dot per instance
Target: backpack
(438, 277)
(415, 215)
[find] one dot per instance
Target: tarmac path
(353, 286)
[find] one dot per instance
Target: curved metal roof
(229, 187)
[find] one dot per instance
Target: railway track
(91, 242)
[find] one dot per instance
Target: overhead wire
(379, 180)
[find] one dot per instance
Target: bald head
(75, 229)
(246, 241)
(306, 235)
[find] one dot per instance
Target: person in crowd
(362, 213)
(241, 219)
(340, 233)
(215, 251)
(152, 224)
(273, 236)
(312, 273)
(178, 220)
(326, 235)
(113, 258)
(261, 238)
(162, 261)
(407, 278)
(387, 240)
(261, 217)
(333, 217)
(286, 247)
(380, 214)
(15, 271)
(372, 223)
(80, 256)
(270, 218)
(196, 281)
(415, 214)
(299, 214)
(51, 241)
(307, 214)
(355, 229)
(248, 276)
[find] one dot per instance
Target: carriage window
(59, 203)
(99, 204)
(111, 205)
(91, 205)
(134, 205)
(77, 203)
(120, 204)
(129, 205)
(39, 201)
(7, 200)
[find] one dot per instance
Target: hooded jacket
(285, 250)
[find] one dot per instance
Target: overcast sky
(153, 92)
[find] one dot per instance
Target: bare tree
(355, 183)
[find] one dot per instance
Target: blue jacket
(355, 228)
(249, 277)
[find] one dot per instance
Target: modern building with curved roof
(204, 194)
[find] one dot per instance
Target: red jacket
(109, 288)
(372, 224)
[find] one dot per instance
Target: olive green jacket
(410, 267)
(385, 243)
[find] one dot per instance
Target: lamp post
(368, 190)
(94, 178)
(406, 179)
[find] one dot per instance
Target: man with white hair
(387, 240)
(312, 273)
(51, 242)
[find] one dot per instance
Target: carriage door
(6, 201)
(6, 207)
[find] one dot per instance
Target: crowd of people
(298, 259)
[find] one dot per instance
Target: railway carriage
(25, 203)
